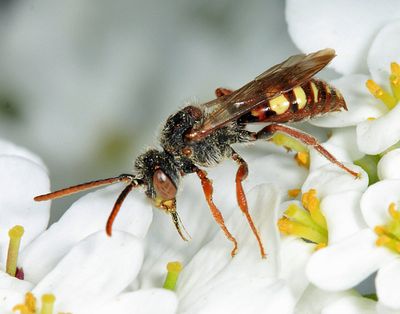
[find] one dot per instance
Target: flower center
(29, 305)
(15, 235)
(389, 99)
(174, 269)
(307, 223)
(389, 234)
(302, 156)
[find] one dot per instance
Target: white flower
(370, 44)
(348, 262)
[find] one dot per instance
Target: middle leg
(241, 175)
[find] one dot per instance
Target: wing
(279, 79)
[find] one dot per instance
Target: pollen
(15, 234)
(174, 269)
(306, 222)
(389, 99)
(389, 234)
(30, 305)
(303, 159)
(293, 193)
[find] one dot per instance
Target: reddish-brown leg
(84, 186)
(241, 198)
(208, 192)
(222, 92)
(307, 139)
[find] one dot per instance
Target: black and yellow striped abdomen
(302, 102)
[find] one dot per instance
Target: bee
(198, 137)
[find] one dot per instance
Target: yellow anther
(371, 118)
(15, 235)
(393, 211)
(48, 301)
(294, 228)
(288, 142)
(29, 306)
(379, 93)
(303, 159)
(379, 230)
(395, 79)
(320, 246)
(293, 193)
(311, 203)
(174, 269)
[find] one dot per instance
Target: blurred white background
(88, 84)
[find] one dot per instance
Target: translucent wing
(279, 79)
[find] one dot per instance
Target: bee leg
(219, 92)
(241, 175)
(268, 131)
(208, 191)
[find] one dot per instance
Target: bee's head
(160, 177)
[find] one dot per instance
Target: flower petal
(343, 216)
(12, 291)
(388, 166)
(344, 264)
(317, 160)
(330, 179)
(10, 149)
(21, 179)
(94, 271)
(347, 139)
(314, 299)
(376, 200)
(384, 49)
(360, 103)
(351, 305)
(375, 136)
(316, 25)
(86, 216)
(387, 281)
(141, 302)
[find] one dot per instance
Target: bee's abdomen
(308, 100)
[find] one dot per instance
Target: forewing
(279, 79)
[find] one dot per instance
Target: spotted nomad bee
(198, 137)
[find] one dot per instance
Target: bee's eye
(163, 185)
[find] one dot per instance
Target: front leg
(268, 131)
(241, 175)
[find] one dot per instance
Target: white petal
(376, 200)
(384, 50)
(141, 302)
(331, 179)
(86, 216)
(214, 260)
(241, 294)
(343, 215)
(360, 103)
(388, 166)
(375, 136)
(387, 282)
(351, 305)
(316, 25)
(10, 149)
(294, 255)
(346, 138)
(314, 299)
(12, 291)
(343, 265)
(21, 180)
(382, 309)
(340, 153)
(94, 271)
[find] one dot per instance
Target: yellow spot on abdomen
(279, 104)
(315, 91)
(300, 97)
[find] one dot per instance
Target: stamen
(389, 234)
(48, 301)
(294, 228)
(311, 203)
(293, 193)
(15, 235)
(295, 213)
(303, 159)
(379, 93)
(288, 142)
(395, 79)
(174, 269)
(29, 306)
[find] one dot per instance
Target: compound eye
(163, 185)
